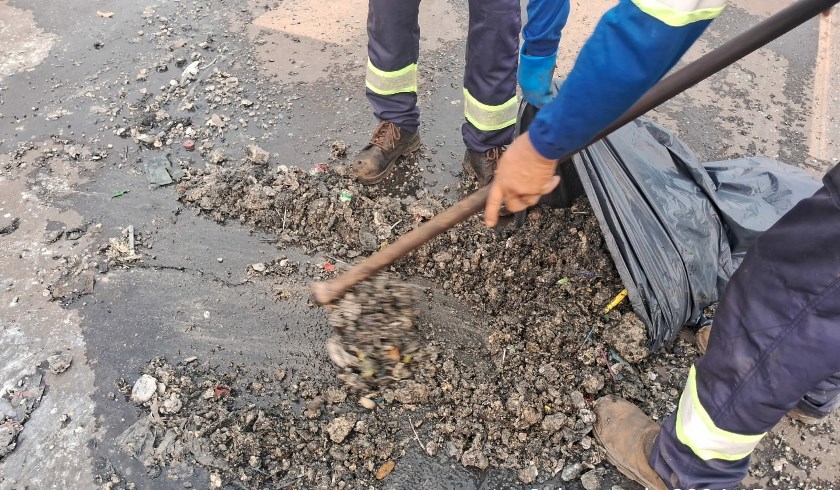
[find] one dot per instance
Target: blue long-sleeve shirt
(633, 46)
(546, 20)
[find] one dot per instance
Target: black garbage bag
(677, 228)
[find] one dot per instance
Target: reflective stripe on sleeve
(489, 117)
(391, 82)
(696, 429)
(677, 13)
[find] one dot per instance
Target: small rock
(571, 471)
(554, 422)
(8, 434)
(217, 157)
(432, 448)
(531, 416)
(189, 145)
(591, 480)
(367, 403)
(217, 121)
(247, 102)
(335, 395)
(6, 410)
(60, 363)
(256, 155)
(144, 389)
(215, 481)
(411, 393)
(340, 428)
(258, 267)
(190, 72)
(577, 399)
(313, 408)
(475, 458)
(592, 383)
(444, 257)
(529, 474)
(385, 470)
(338, 149)
(587, 416)
(172, 404)
(425, 208)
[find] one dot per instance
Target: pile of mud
(321, 210)
(516, 394)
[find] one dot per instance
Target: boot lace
(492, 157)
(386, 135)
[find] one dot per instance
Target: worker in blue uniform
(773, 348)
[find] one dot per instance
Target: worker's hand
(535, 75)
(522, 176)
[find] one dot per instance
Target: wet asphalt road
(68, 61)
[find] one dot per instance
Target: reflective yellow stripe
(696, 429)
(489, 117)
(391, 82)
(677, 13)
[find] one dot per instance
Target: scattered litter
(120, 193)
(319, 168)
(106, 15)
(123, 249)
(616, 301)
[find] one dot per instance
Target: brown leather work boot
(702, 338)
(482, 166)
(806, 417)
(627, 435)
(376, 160)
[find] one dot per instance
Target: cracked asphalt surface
(71, 84)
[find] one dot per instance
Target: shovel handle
(326, 292)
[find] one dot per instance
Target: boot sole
(390, 168)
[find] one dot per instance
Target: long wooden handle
(693, 73)
(329, 291)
